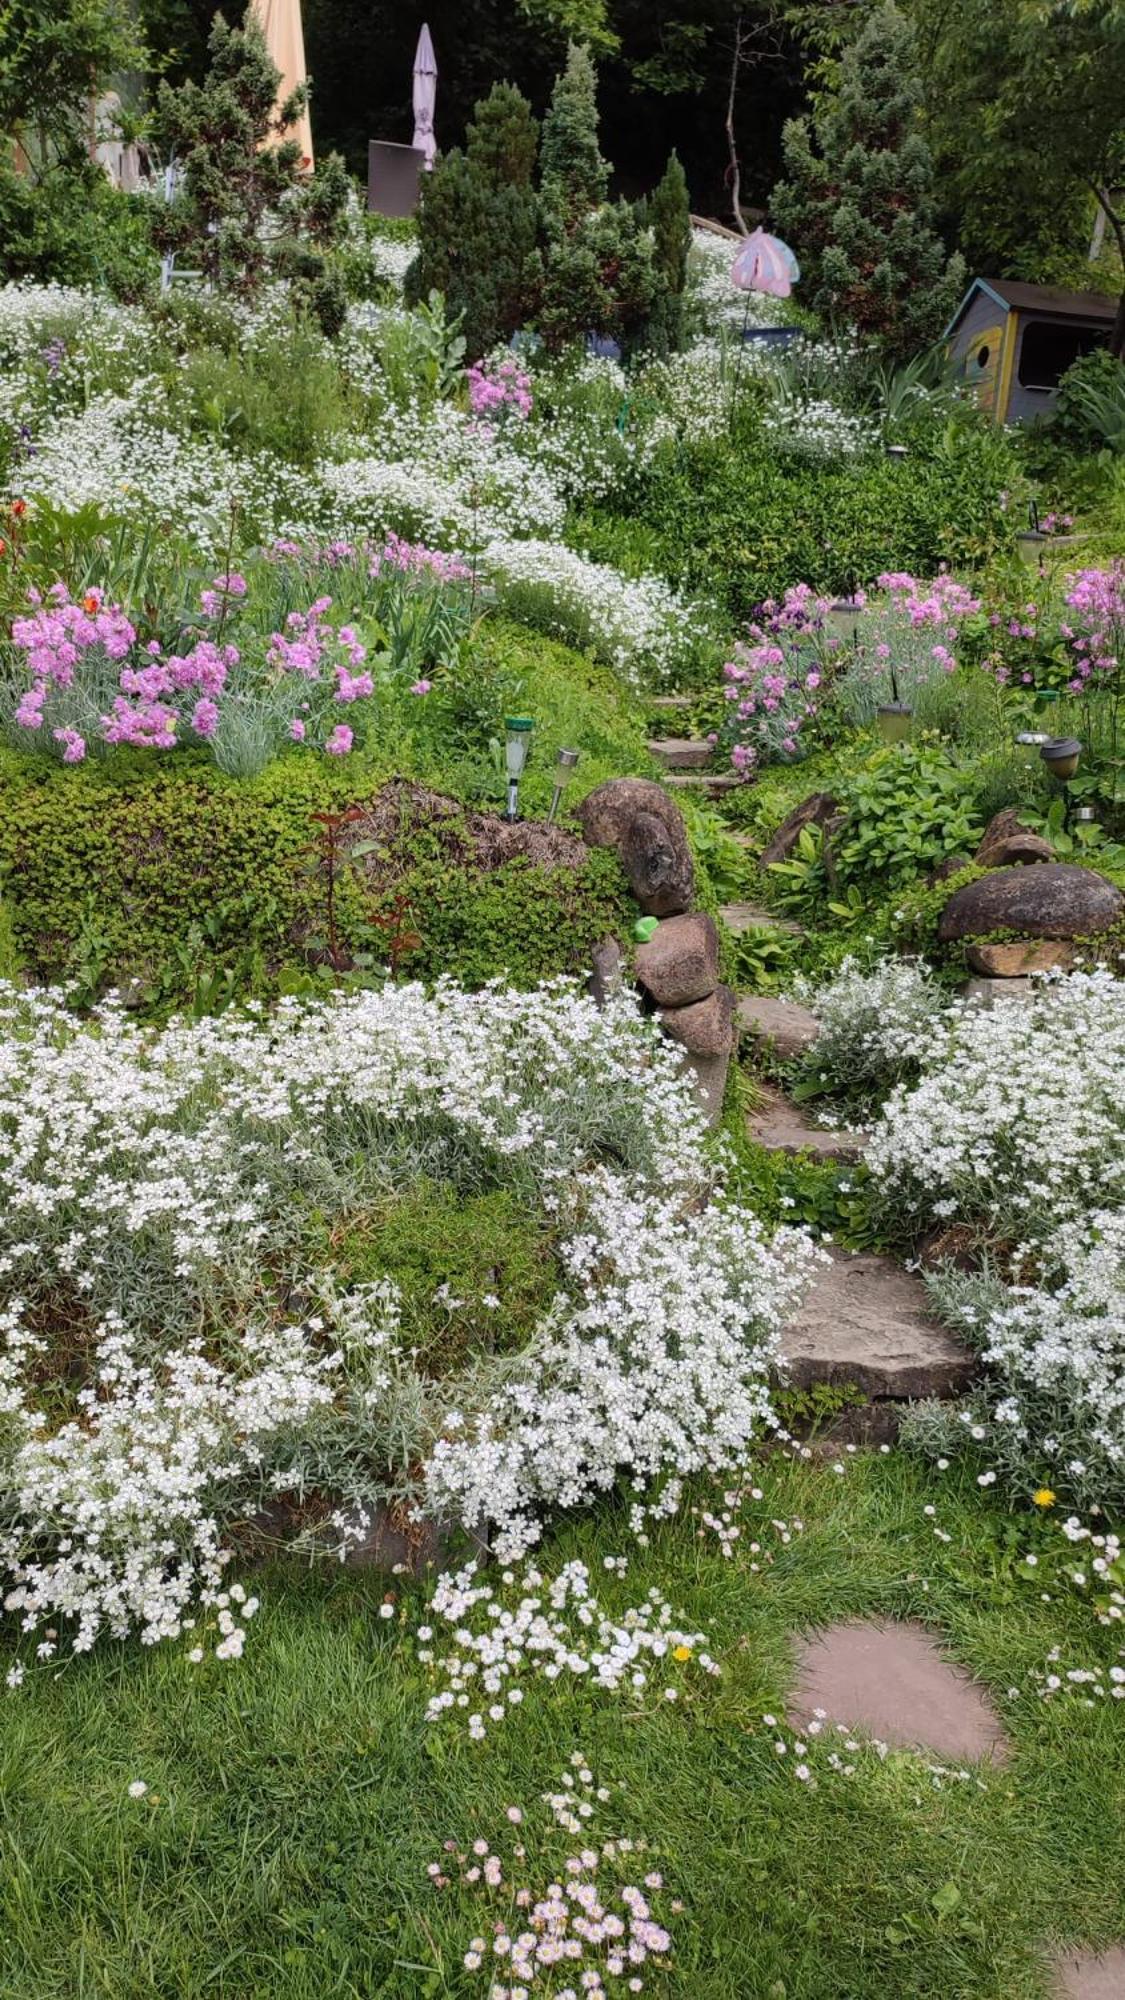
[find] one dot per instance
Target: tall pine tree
(857, 202)
(478, 224)
(597, 260)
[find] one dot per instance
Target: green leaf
(946, 1899)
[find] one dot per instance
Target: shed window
(1047, 349)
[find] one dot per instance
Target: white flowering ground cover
(175, 1355)
(1009, 1122)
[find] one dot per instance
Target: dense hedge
(732, 518)
(160, 874)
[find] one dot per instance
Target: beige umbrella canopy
(281, 23)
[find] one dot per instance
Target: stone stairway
(742, 917)
(865, 1321)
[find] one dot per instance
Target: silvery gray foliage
(148, 1180)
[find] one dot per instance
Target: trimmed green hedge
(161, 874)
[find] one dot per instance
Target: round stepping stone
(865, 1320)
(1082, 1977)
(892, 1682)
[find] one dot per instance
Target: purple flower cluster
(773, 682)
(1096, 633)
(499, 385)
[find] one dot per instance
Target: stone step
(712, 784)
(741, 917)
(866, 1321)
(665, 701)
(784, 1025)
(783, 1128)
(681, 753)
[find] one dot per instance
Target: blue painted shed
(1015, 342)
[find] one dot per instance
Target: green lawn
(297, 1797)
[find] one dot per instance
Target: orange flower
(19, 507)
(90, 603)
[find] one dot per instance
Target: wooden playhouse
(1014, 342)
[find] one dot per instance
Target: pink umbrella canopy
(765, 264)
(425, 94)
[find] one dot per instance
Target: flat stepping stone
(891, 1681)
(865, 1321)
(682, 753)
(712, 783)
(741, 917)
(782, 1128)
(784, 1024)
(1081, 1976)
(671, 700)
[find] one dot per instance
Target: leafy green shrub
(161, 877)
(478, 223)
(738, 522)
(71, 227)
(1090, 410)
(910, 809)
(598, 273)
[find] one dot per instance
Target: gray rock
(1087, 1975)
(681, 753)
(605, 812)
(891, 1681)
(1008, 843)
(706, 1028)
(813, 811)
(985, 992)
(785, 1024)
(680, 962)
(866, 1321)
(607, 971)
(1055, 900)
(657, 861)
(1016, 961)
(710, 1080)
(782, 1128)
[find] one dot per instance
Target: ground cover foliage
(292, 1812)
(323, 1198)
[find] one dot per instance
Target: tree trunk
(735, 169)
(1117, 224)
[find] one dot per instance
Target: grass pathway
(296, 1799)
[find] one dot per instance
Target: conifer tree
(243, 211)
(857, 202)
(597, 262)
(478, 224)
(667, 213)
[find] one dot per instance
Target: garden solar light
(519, 728)
(1061, 754)
(894, 720)
(897, 451)
(567, 759)
(1030, 742)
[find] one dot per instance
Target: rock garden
(562, 1037)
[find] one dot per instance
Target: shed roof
(1016, 296)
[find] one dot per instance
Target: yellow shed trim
(1007, 367)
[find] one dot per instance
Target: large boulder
(657, 861)
(1008, 843)
(1055, 900)
(816, 810)
(680, 962)
(646, 827)
(706, 1027)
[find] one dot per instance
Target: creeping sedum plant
(179, 1347)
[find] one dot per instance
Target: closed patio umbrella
(281, 23)
(425, 94)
